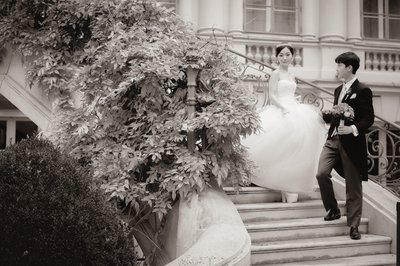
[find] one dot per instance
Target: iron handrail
(305, 82)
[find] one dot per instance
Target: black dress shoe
(333, 214)
(354, 234)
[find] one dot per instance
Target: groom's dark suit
(347, 154)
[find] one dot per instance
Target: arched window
(381, 19)
(275, 16)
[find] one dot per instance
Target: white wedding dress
(287, 149)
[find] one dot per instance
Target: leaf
(126, 62)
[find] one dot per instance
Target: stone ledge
(221, 244)
(216, 235)
(379, 206)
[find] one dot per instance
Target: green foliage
(127, 61)
(50, 214)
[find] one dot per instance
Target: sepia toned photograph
(199, 132)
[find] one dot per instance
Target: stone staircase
(296, 234)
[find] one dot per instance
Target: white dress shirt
(345, 89)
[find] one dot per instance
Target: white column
(353, 21)
(332, 20)
(211, 16)
(235, 16)
(10, 132)
(310, 18)
(185, 10)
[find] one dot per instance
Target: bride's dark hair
(281, 46)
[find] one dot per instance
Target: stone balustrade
(266, 54)
(382, 61)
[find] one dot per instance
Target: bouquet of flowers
(342, 111)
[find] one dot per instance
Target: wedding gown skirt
(287, 149)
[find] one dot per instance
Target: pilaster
(309, 19)
(236, 16)
(353, 21)
(186, 12)
(333, 20)
(211, 16)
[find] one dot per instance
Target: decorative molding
(12, 114)
(332, 37)
(27, 103)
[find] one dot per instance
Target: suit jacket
(359, 97)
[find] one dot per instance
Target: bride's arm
(273, 90)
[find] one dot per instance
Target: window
(168, 4)
(381, 19)
(277, 16)
(24, 129)
(3, 134)
(14, 125)
(13, 130)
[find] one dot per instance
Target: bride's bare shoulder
(275, 73)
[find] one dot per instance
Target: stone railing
(374, 61)
(382, 61)
(266, 54)
(208, 230)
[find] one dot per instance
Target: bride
(287, 149)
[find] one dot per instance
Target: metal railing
(383, 138)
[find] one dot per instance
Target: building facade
(319, 30)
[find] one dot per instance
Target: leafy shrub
(51, 214)
(128, 61)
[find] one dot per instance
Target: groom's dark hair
(349, 59)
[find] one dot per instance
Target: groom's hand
(345, 130)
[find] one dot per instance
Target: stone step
(367, 260)
(300, 229)
(254, 194)
(258, 212)
(295, 250)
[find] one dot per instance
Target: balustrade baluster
(390, 62)
(375, 62)
(249, 54)
(397, 62)
(257, 55)
(273, 57)
(368, 61)
(267, 56)
(383, 62)
(297, 58)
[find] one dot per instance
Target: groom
(345, 149)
